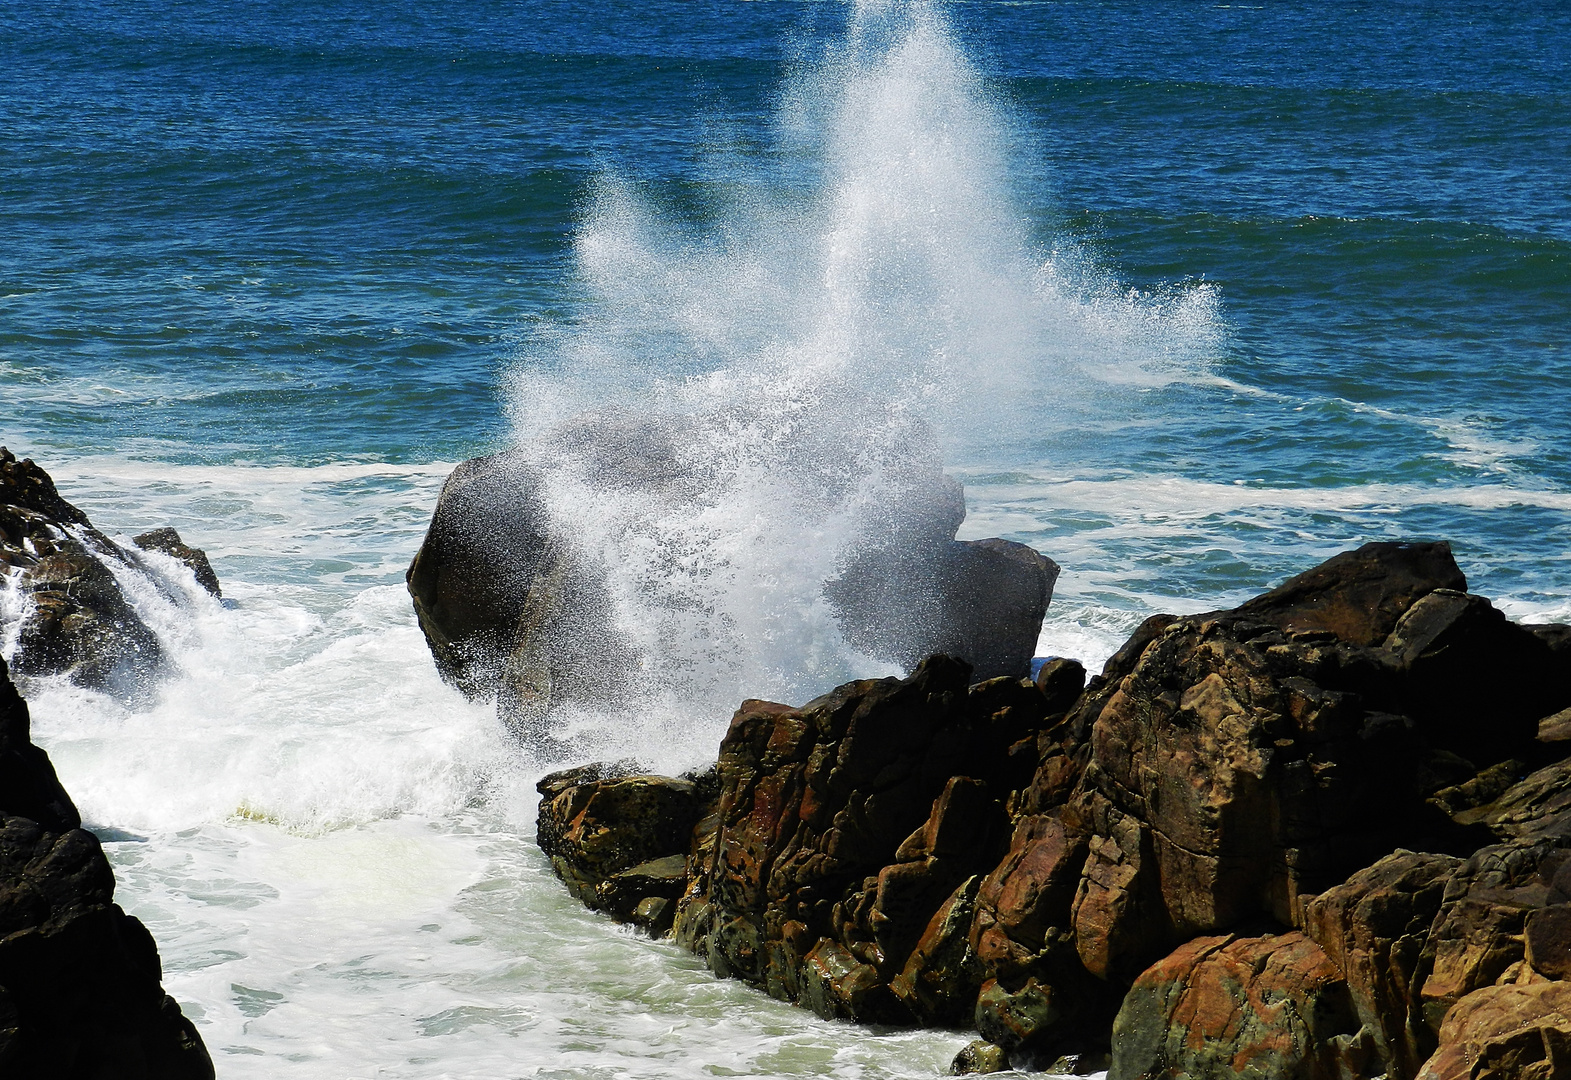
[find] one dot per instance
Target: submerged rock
(79, 978)
(1283, 840)
(169, 543)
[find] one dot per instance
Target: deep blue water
(277, 234)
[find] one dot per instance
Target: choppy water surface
(1190, 296)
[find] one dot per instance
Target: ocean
(1190, 297)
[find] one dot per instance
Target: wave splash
(876, 306)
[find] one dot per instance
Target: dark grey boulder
(511, 609)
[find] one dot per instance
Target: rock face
(77, 620)
(510, 609)
(1374, 928)
(79, 978)
(1284, 840)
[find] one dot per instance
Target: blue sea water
(1194, 294)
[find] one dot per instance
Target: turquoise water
(1191, 296)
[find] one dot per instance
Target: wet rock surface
(511, 609)
(77, 620)
(1291, 839)
(79, 978)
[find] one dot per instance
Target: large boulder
(79, 978)
(1271, 1007)
(512, 607)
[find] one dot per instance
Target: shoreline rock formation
(511, 609)
(80, 992)
(1326, 834)
(77, 620)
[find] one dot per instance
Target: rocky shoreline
(80, 993)
(1326, 834)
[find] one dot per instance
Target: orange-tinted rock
(1374, 927)
(1226, 1006)
(1478, 934)
(1027, 896)
(1506, 1033)
(852, 821)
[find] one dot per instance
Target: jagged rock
(1357, 597)
(1235, 783)
(1227, 1006)
(79, 978)
(1018, 854)
(1506, 1033)
(1478, 935)
(78, 621)
(1464, 661)
(846, 825)
(169, 543)
(1374, 927)
(618, 839)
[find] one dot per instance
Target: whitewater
(334, 849)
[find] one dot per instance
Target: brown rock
(1480, 682)
(1374, 927)
(1477, 936)
(1547, 940)
(1538, 807)
(1358, 596)
(615, 840)
(1025, 901)
(1226, 1006)
(1244, 770)
(1506, 1033)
